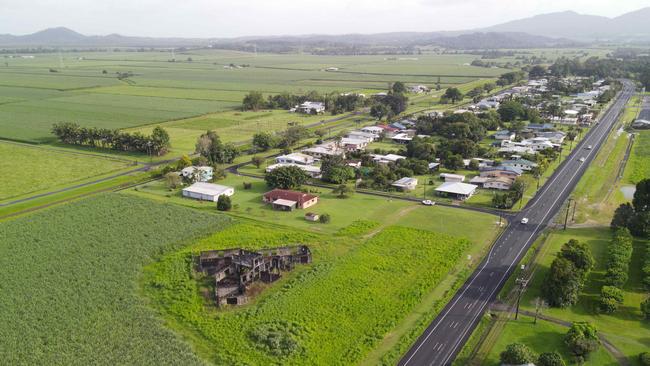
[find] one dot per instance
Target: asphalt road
(446, 335)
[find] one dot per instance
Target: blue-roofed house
(501, 172)
(504, 135)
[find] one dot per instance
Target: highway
(445, 336)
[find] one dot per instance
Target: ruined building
(234, 270)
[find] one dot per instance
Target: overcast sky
(219, 18)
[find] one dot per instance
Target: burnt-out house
(234, 270)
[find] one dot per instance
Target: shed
(207, 191)
(457, 190)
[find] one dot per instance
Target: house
(541, 126)
(519, 150)
(452, 177)
(487, 104)
(313, 217)
(555, 137)
(374, 130)
(361, 135)
(522, 164)
(502, 172)
(504, 135)
(418, 89)
(286, 200)
(207, 191)
(503, 184)
(399, 126)
(354, 144)
(482, 163)
(327, 149)
(198, 173)
(295, 158)
(402, 138)
(540, 143)
(311, 108)
(434, 166)
(385, 159)
(641, 124)
(312, 171)
(406, 184)
(457, 190)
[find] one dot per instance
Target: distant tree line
(158, 143)
(335, 103)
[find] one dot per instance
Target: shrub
(582, 339)
(619, 254)
(517, 354)
(645, 308)
(644, 358)
(325, 218)
(610, 299)
(224, 203)
(550, 359)
(248, 185)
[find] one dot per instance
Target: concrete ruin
(235, 270)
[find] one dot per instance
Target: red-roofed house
(287, 200)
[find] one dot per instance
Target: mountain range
(546, 30)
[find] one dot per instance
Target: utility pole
(568, 209)
(573, 216)
(522, 283)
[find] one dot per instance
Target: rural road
(446, 335)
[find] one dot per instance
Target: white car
(524, 220)
(582, 160)
(589, 147)
(428, 203)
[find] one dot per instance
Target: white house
(354, 144)
(523, 164)
(311, 107)
(452, 177)
(207, 191)
(312, 171)
(198, 173)
(385, 159)
(327, 149)
(504, 135)
(402, 138)
(360, 135)
(418, 89)
(375, 130)
(406, 184)
(295, 158)
(457, 190)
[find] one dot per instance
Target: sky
(219, 18)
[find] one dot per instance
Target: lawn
(29, 169)
(70, 291)
(638, 167)
(625, 328)
(541, 337)
(334, 311)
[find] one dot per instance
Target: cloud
(209, 18)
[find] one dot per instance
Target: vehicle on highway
(589, 147)
(524, 220)
(582, 159)
(428, 203)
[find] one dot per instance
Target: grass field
(335, 310)
(70, 291)
(625, 328)
(541, 337)
(27, 169)
(638, 166)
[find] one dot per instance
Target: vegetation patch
(358, 227)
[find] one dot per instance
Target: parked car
(524, 220)
(428, 203)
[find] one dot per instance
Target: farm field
(70, 290)
(333, 311)
(29, 168)
(83, 87)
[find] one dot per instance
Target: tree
(517, 354)
(578, 253)
(378, 111)
(325, 218)
(488, 87)
(257, 161)
(473, 165)
(644, 77)
(253, 101)
(640, 224)
(224, 203)
(173, 180)
(183, 162)
(209, 145)
(540, 305)
(453, 94)
(622, 216)
(582, 339)
(335, 170)
(610, 299)
(644, 358)
(263, 141)
(160, 141)
(511, 110)
(398, 87)
(562, 283)
(641, 201)
(292, 135)
(342, 190)
(453, 162)
(537, 72)
(286, 177)
(645, 308)
(550, 359)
